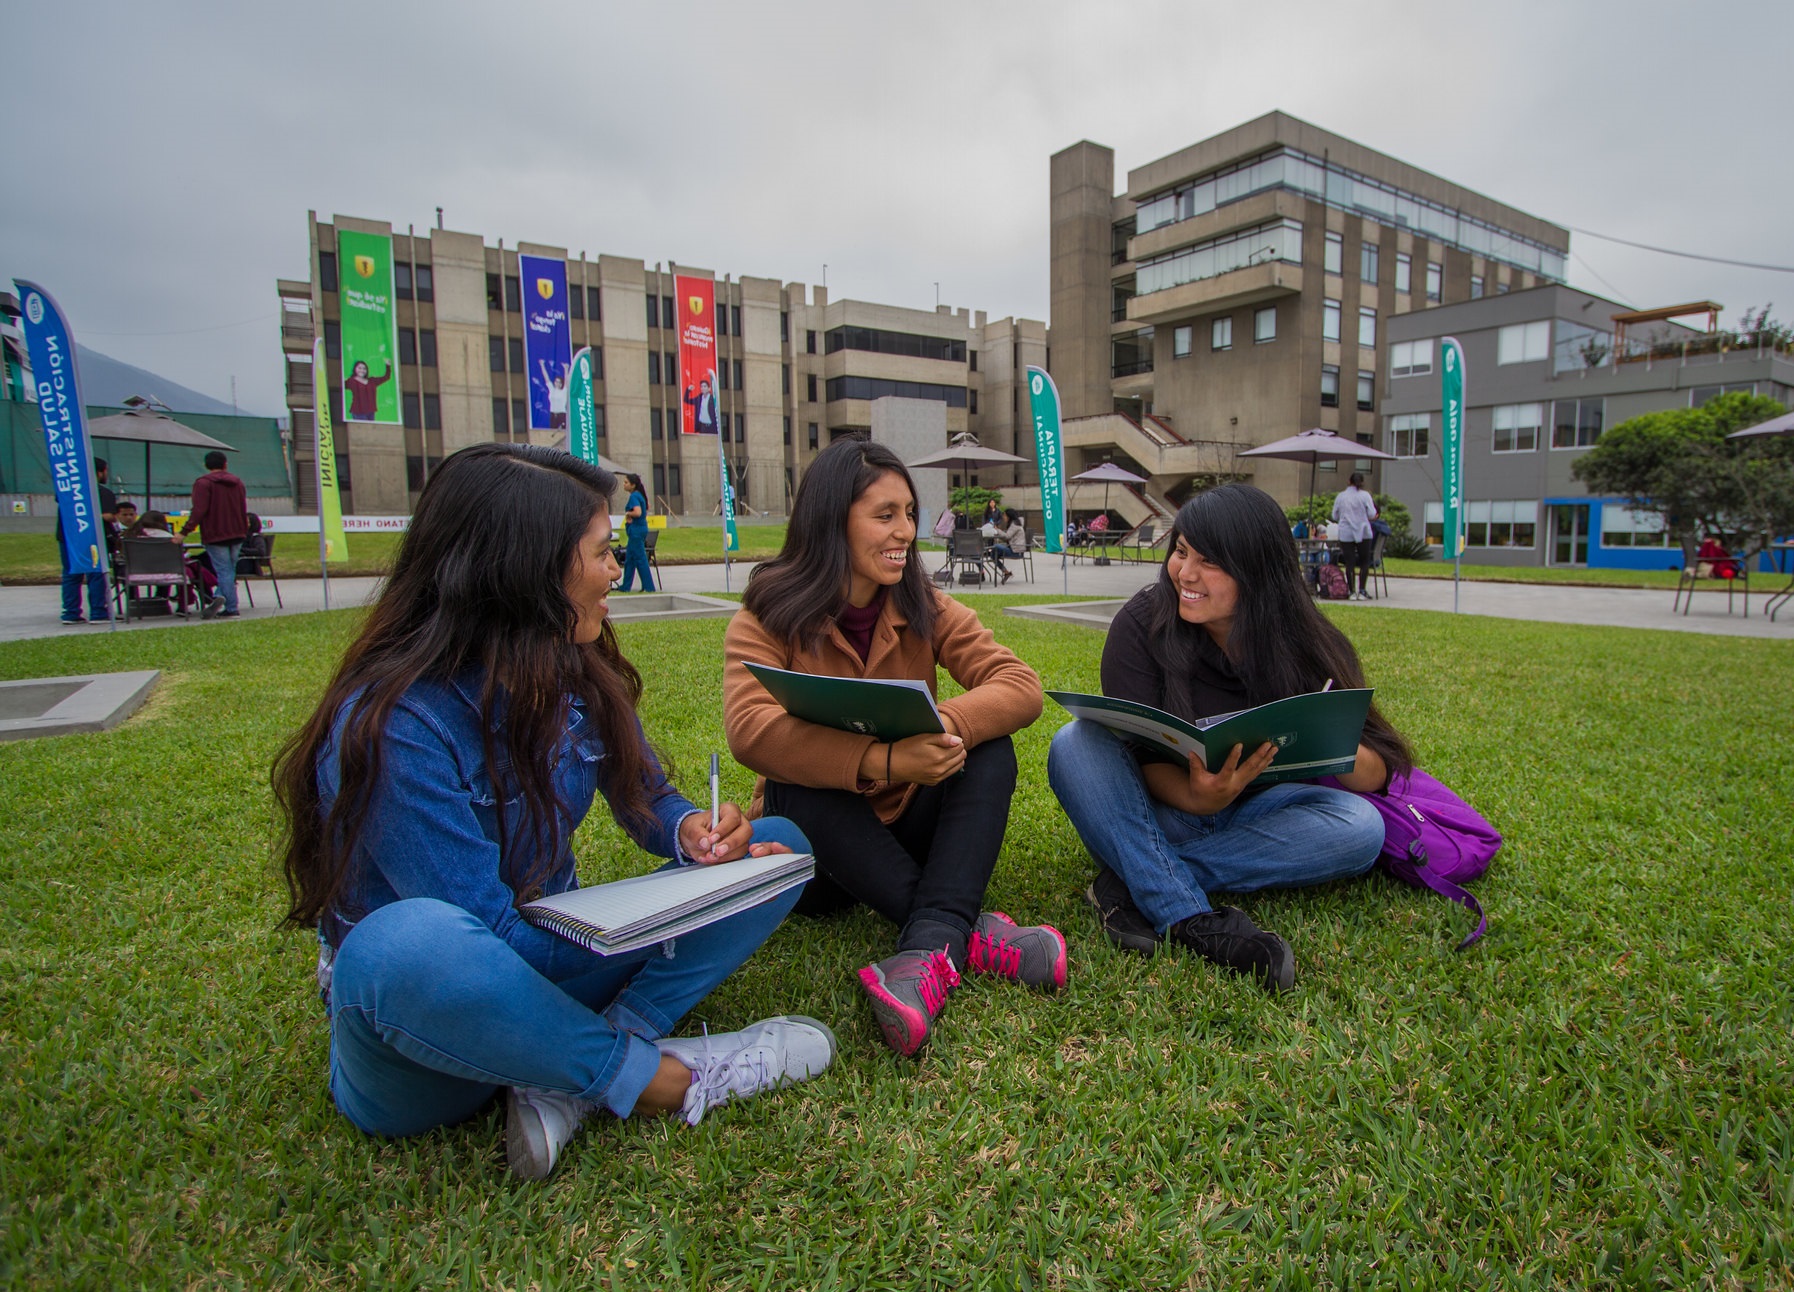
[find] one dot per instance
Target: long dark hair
(797, 594)
(479, 588)
(1279, 643)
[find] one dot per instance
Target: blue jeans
(1287, 835)
(224, 565)
(635, 557)
(431, 1012)
(97, 610)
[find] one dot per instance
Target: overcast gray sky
(159, 159)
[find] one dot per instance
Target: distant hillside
(108, 381)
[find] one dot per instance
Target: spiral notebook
(638, 912)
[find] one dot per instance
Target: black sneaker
(1226, 937)
(1121, 920)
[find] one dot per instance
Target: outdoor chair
(651, 543)
(1025, 554)
(1379, 574)
(255, 560)
(151, 563)
(1141, 539)
(965, 555)
(1696, 568)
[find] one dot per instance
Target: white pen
(1327, 687)
(716, 803)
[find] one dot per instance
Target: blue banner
(547, 340)
(52, 353)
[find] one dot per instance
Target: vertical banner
(547, 340)
(333, 545)
(1043, 402)
(52, 353)
(1451, 452)
(582, 410)
(731, 539)
(370, 327)
(696, 308)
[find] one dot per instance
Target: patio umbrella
(1109, 474)
(145, 424)
(1314, 447)
(965, 453)
(1783, 425)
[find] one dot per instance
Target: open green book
(889, 709)
(1316, 734)
(638, 912)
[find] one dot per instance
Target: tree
(1679, 465)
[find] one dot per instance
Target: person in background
(220, 512)
(1007, 541)
(97, 609)
(364, 396)
(1353, 511)
(635, 531)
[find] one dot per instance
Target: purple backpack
(1433, 839)
(1332, 583)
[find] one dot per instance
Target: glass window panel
(1333, 256)
(1404, 272)
(1264, 324)
(1330, 320)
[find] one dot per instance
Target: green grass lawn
(1600, 1094)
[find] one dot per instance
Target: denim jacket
(431, 828)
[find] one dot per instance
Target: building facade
(795, 370)
(1242, 289)
(1546, 372)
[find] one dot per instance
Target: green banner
(731, 540)
(1451, 451)
(332, 544)
(369, 325)
(582, 412)
(1043, 402)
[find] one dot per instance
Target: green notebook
(889, 709)
(1316, 734)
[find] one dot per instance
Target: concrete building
(795, 369)
(1547, 371)
(1241, 290)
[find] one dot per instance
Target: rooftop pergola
(1663, 315)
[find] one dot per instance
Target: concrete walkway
(34, 611)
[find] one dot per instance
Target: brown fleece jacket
(1002, 695)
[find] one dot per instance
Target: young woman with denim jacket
(483, 706)
(1228, 625)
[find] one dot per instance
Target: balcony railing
(1131, 368)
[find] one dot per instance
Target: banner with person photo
(370, 327)
(547, 340)
(696, 309)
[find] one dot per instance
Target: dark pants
(1356, 555)
(926, 872)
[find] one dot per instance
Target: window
(973, 356)
(513, 294)
(1264, 324)
(971, 400)
(426, 347)
(653, 367)
(1577, 347)
(787, 431)
(1523, 342)
(880, 341)
(741, 428)
(1517, 427)
(519, 416)
(653, 314)
(576, 302)
(1575, 423)
(722, 319)
(1435, 281)
(597, 363)
(426, 283)
(660, 478)
(785, 379)
(785, 326)
(407, 345)
(1623, 527)
(593, 310)
(722, 375)
(495, 346)
(1701, 394)
(501, 417)
(656, 430)
(670, 366)
(1476, 286)
(1367, 261)
(327, 271)
(1329, 386)
(1220, 334)
(410, 411)
(495, 292)
(1182, 338)
(813, 439)
(735, 365)
(333, 340)
(1408, 434)
(735, 319)
(1404, 272)
(514, 348)
(1333, 256)
(809, 340)
(673, 477)
(1329, 320)
(669, 319)
(1498, 523)
(432, 412)
(1367, 328)
(879, 387)
(401, 277)
(1411, 358)
(1278, 240)
(1367, 382)
(810, 387)
(598, 420)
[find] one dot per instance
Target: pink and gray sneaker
(907, 991)
(1033, 955)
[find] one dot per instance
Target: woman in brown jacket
(910, 828)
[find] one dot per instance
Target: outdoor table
(1104, 540)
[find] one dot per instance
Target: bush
(1391, 509)
(1403, 546)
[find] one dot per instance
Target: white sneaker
(538, 1125)
(737, 1065)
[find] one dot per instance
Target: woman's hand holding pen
(728, 838)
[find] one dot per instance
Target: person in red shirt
(364, 391)
(220, 511)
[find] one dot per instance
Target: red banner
(696, 299)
